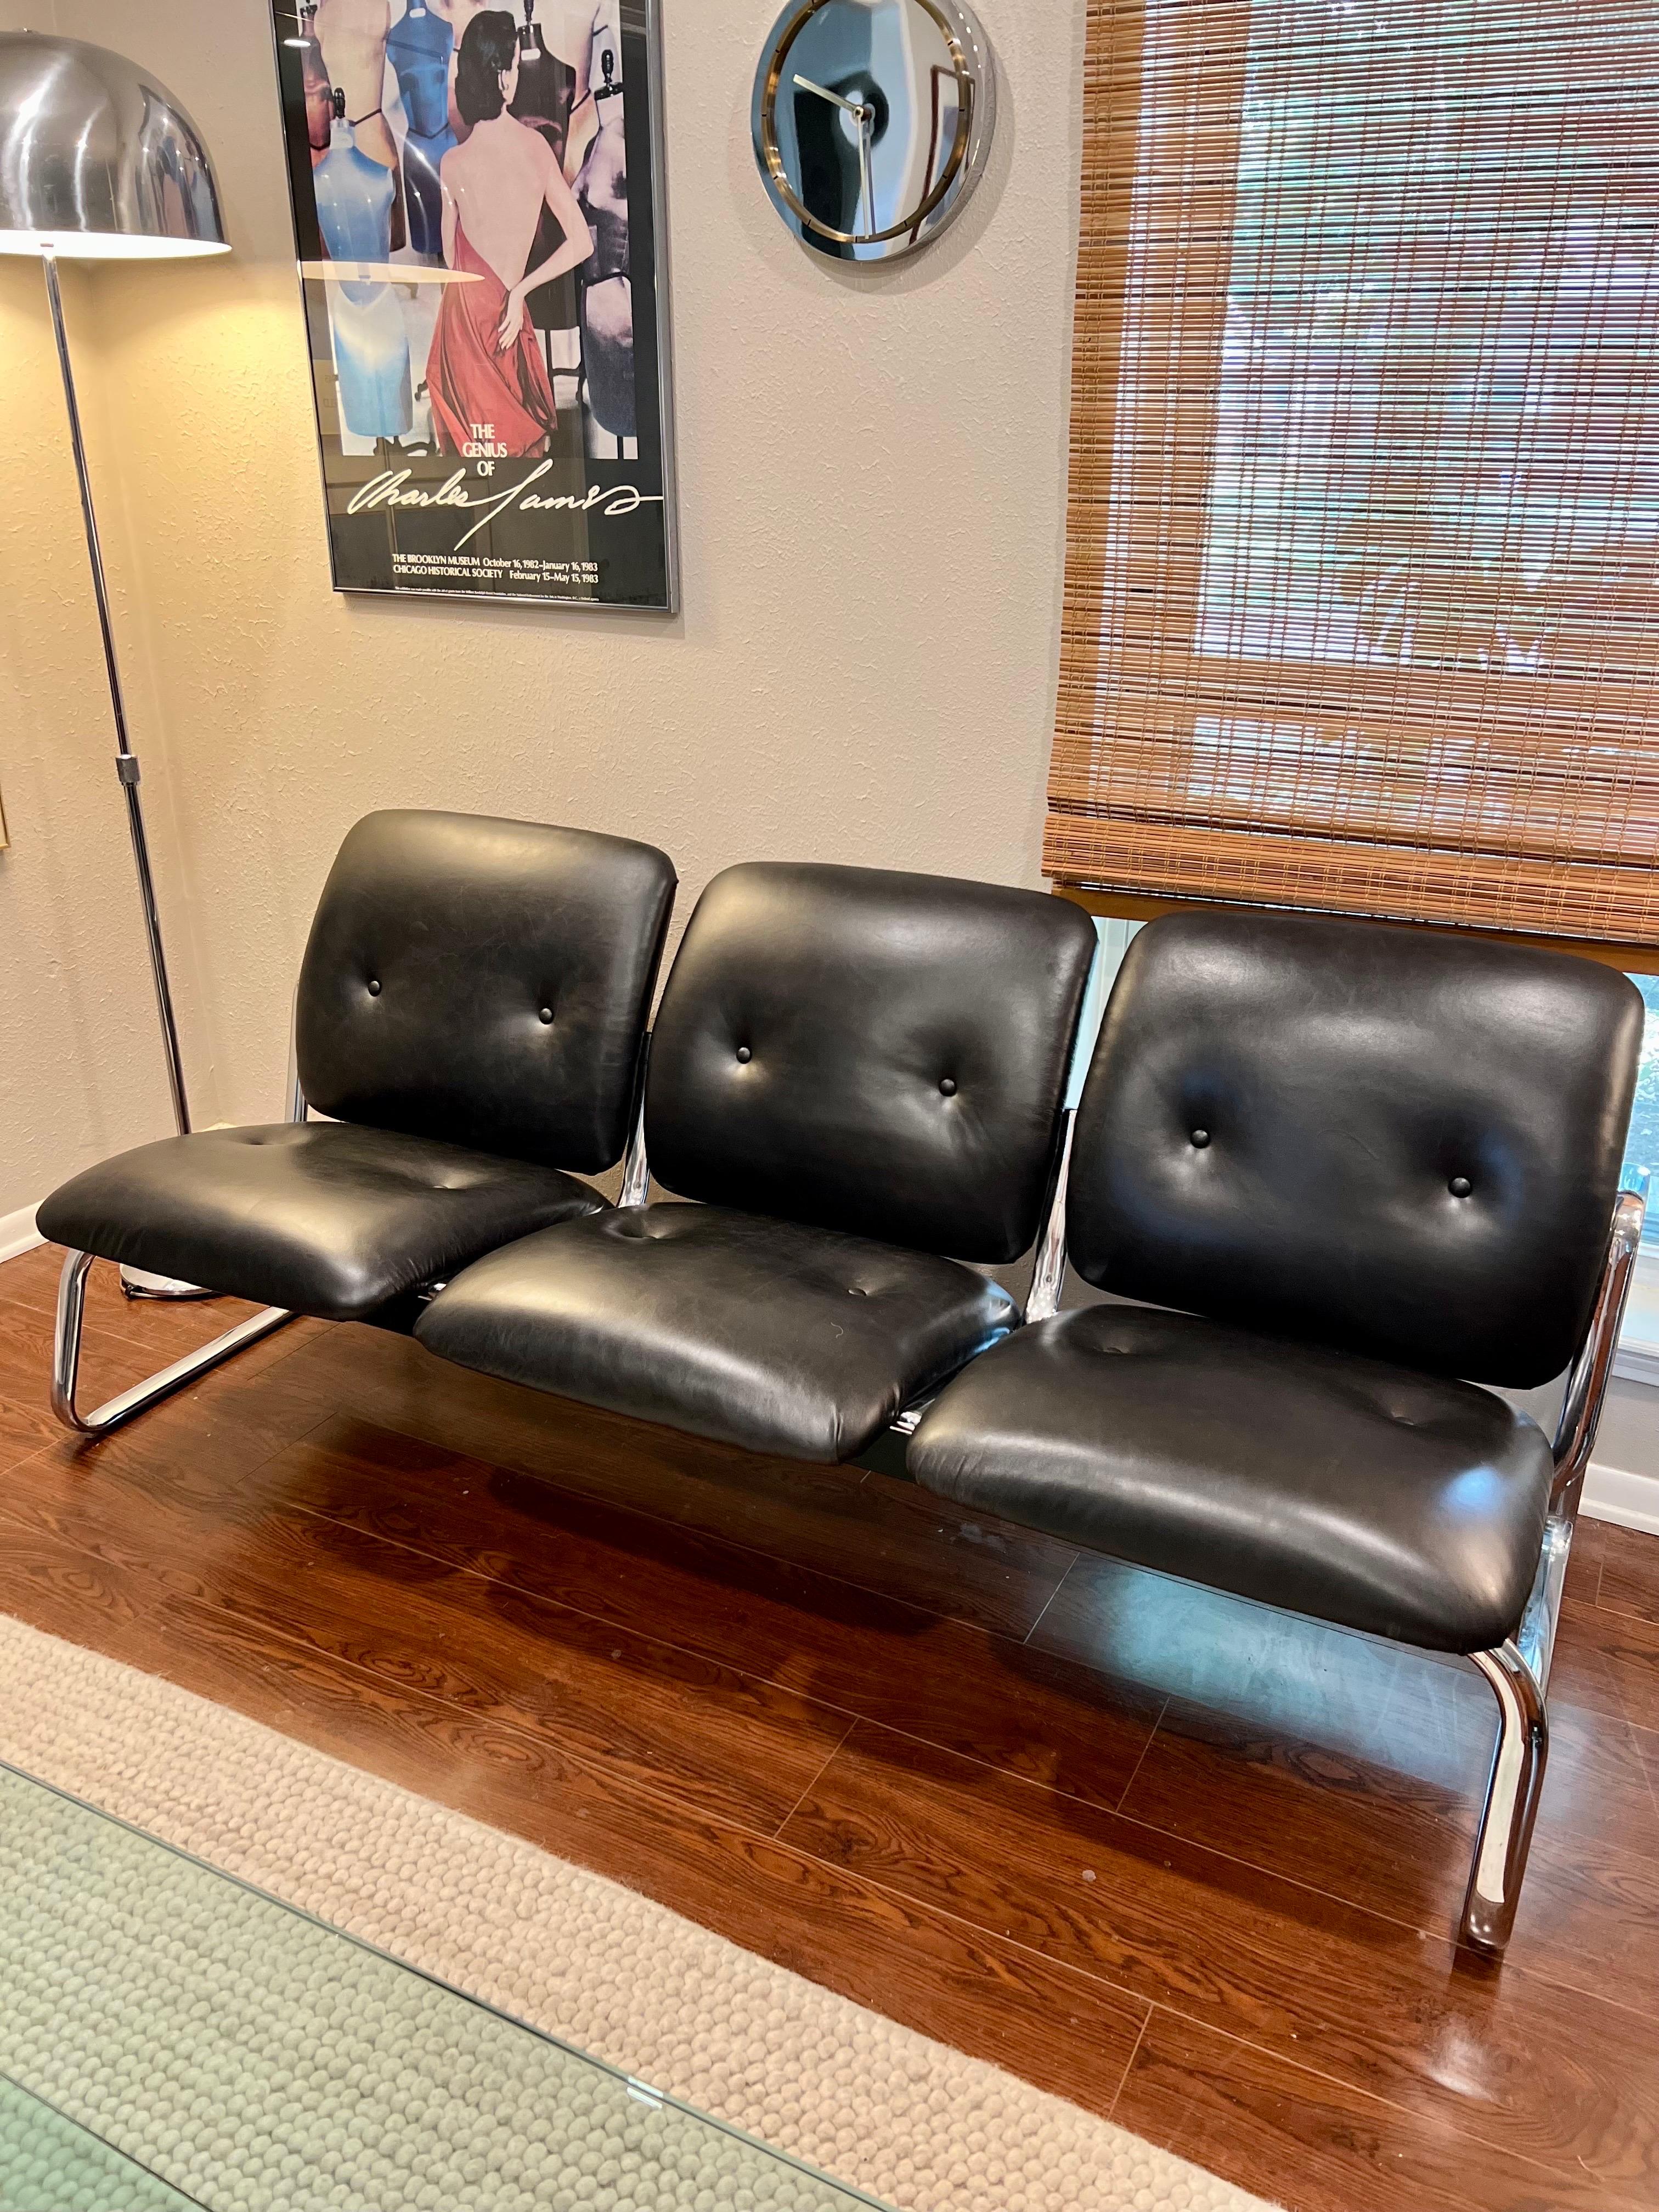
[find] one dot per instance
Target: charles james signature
(391, 489)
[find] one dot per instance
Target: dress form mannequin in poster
(353, 36)
(577, 30)
(601, 186)
(547, 86)
(319, 93)
(354, 201)
(485, 367)
(420, 46)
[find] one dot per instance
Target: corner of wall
(18, 1233)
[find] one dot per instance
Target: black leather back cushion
(486, 982)
(878, 1052)
(1350, 1079)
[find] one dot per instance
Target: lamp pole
(126, 761)
(98, 162)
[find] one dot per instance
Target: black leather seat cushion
(318, 1216)
(773, 1335)
(1403, 1505)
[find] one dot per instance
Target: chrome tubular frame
(1517, 1775)
(1581, 1410)
(1519, 1671)
(1049, 1274)
(66, 1357)
(71, 1314)
(297, 1109)
(636, 1168)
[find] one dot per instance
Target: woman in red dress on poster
(485, 375)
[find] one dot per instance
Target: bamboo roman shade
(1362, 597)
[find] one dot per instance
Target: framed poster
(478, 209)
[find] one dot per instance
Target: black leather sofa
(1337, 1181)
(472, 1013)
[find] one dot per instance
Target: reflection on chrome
(97, 158)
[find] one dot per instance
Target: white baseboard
(18, 1233)
(1631, 1500)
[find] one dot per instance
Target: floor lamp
(99, 162)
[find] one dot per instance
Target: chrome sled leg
(1517, 1776)
(66, 1357)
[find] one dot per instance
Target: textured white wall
(872, 478)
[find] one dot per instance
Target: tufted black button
(1461, 1186)
(745, 1054)
(1201, 1138)
(547, 1013)
(947, 1084)
(373, 987)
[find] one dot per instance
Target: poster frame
(285, 13)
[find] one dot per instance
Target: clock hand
(853, 106)
(864, 115)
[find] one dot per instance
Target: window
(1362, 604)
(1638, 1359)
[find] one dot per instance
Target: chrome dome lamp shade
(99, 162)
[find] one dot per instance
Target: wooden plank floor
(1188, 1863)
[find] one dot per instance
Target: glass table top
(170, 2038)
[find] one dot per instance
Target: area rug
(686, 2023)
